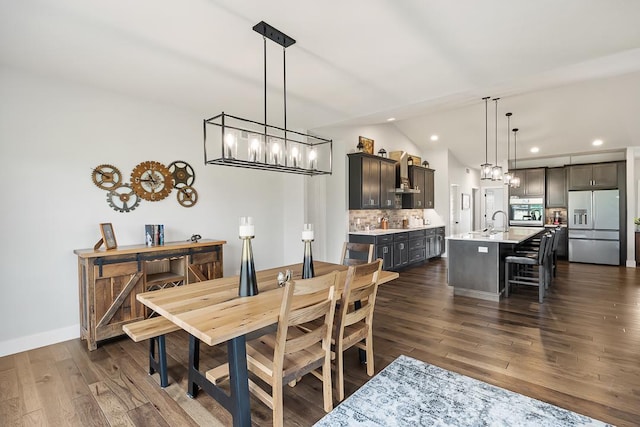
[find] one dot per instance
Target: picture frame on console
(108, 236)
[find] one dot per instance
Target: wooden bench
(153, 329)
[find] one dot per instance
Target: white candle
(307, 232)
(246, 227)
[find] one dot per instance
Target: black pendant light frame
(297, 152)
(496, 170)
(485, 169)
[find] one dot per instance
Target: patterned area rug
(409, 392)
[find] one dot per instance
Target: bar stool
(529, 274)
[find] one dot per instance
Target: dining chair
(289, 353)
(354, 318)
(535, 269)
(356, 253)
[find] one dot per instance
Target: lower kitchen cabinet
(417, 246)
(435, 242)
(400, 249)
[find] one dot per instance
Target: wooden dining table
(212, 312)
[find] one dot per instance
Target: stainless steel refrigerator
(594, 224)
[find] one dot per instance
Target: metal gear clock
(106, 177)
(123, 198)
(151, 180)
(187, 196)
(183, 174)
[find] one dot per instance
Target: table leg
(194, 366)
(239, 381)
(238, 401)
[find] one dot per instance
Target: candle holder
(307, 262)
(248, 285)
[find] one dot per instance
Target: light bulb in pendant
(312, 159)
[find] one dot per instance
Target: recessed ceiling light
(534, 149)
(597, 142)
(391, 119)
(434, 137)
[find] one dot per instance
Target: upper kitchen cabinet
(422, 179)
(372, 182)
(593, 176)
(531, 183)
(387, 184)
(556, 194)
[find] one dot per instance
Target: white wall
(331, 192)
(52, 133)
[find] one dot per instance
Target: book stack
(154, 234)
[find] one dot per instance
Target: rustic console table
(110, 280)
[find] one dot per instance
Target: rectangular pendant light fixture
(236, 141)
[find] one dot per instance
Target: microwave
(527, 212)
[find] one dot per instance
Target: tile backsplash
(359, 220)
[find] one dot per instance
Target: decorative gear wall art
(152, 181)
(106, 177)
(183, 174)
(123, 198)
(187, 196)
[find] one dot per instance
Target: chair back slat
(313, 299)
(356, 253)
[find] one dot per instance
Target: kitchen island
(476, 260)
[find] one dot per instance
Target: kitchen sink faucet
(506, 219)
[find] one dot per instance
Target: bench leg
(159, 365)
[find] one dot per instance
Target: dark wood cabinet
(435, 242)
(383, 245)
(387, 184)
(371, 182)
(556, 183)
(417, 246)
(532, 183)
(423, 179)
(593, 176)
(429, 199)
(400, 250)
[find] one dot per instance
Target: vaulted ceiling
(569, 70)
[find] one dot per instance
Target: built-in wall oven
(526, 211)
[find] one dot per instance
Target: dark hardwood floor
(580, 350)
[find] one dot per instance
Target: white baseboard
(631, 263)
(30, 342)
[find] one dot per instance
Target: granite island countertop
(514, 235)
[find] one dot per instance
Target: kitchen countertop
(514, 235)
(379, 231)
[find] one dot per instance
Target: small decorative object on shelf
(108, 237)
(154, 234)
(382, 153)
(425, 164)
(410, 161)
(307, 262)
(367, 145)
(636, 221)
(248, 285)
